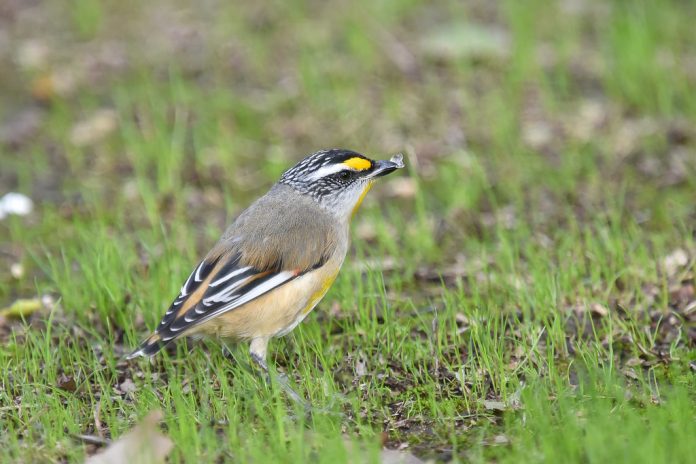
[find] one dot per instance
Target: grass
(510, 298)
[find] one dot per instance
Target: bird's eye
(344, 175)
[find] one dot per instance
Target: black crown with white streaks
(306, 176)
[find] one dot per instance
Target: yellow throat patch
(362, 197)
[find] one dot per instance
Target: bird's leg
(227, 351)
(257, 350)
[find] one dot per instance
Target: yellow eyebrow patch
(359, 164)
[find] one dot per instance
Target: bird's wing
(214, 287)
(257, 254)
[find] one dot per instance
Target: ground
(524, 291)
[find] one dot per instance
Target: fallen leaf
(145, 443)
(630, 373)
(360, 367)
(600, 310)
(127, 386)
(21, 308)
(67, 383)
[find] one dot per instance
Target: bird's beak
(382, 167)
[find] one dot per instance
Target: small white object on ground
(15, 203)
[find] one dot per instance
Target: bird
(277, 260)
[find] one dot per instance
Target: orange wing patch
(357, 163)
(194, 298)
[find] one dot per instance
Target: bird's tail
(149, 347)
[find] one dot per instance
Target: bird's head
(338, 179)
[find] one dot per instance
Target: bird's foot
(283, 381)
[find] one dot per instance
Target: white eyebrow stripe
(328, 170)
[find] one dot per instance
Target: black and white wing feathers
(214, 287)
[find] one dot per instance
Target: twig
(92, 439)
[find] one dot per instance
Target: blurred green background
(544, 231)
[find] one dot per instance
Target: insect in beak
(383, 167)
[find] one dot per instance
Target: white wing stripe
(229, 276)
(200, 310)
(224, 294)
(235, 301)
(183, 292)
(259, 290)
(198, 272)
